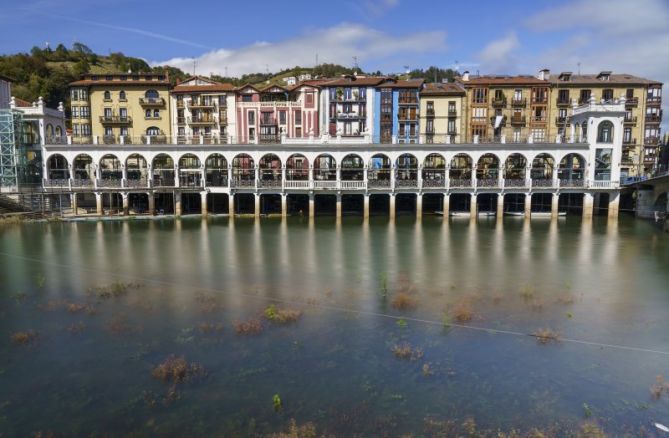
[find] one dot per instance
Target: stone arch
(216, 170)
(487, 170)
(270, 167)
(190, 171)
(407, 168)
(110, 167)
(434, 170)
(297, 168)
(461, 168)
(136, 169)
(605, 132)
(243, 168)
(83, 167)
(163, 170)
(515, 167)
(57, 167)
(352, 166)
(542, 167)
(325, 168)
(378, 174)
(571, 170)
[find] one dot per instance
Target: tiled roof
(443, 89)
(592, 79)
(216, 87)
(355, 82)
(411, 83)
(22, 103)
(86, 79)
(505, 80)
(118, 82)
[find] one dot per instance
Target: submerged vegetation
(546, 336)
(406, 352)
(659, 387)
(252, 327)
(462, 312)
(282, 315)
(403, 301)
(24, 337)
(177, 370)
(113, 290)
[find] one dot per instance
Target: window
(107, 113)
(75, 112)
(539, 135)
(247, 98)
(121, 95)
(151, 94)
(451, 127)
(147, 114)
(109, 132)
(480, 95)
(430, 107)
(85, 129)
(107, 95)
(156, 114)
(563, 96)
(607, 94)
(123, 113)
(124, 131)
(605, 132)
(478, 130)
(298, 117)
(309, 99)
(584, 96)
(298, 132)
(630, 93)
(363, 93)
(85, 112)
(516, 135)
(348, 93)
(451, 107)
(222, 101)
(479, 114)
(540, 95)
(562, 114)
(518, 95)
(282, 117)
(75, 129)
(627, 135)
(109, 78)
(251, 117)
(152, 130)
(429, 126)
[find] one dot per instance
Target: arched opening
(190, 171)
(571, 203)
(352, 168)
(59, 132)
(407, 171)
(325, 205)
(571, 171)
(155, 135)
(605, 132)
(433, 203)
(191, 203)
(434, 171)
(515, 168)
(244, 203)
(151, 94)
(487, 171)
(325, 168)
(107, 95)
(111, 170)
(460, 204)
(584, 132)
(514, 203)
(137, 171)
(57, 168)
(541, 202)
(460, 174)
(270, 172)
(49, 131)
(216, 170)
(297, 168)
(243, 171)
(83, 169)
(542, 170)
(163, 171)
(378, 174)
(164, 202)
(121, 95)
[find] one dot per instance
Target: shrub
(251, 327)
(406, 352)
(546, 336)
(177, 370)
(24, 337)
(282, 315)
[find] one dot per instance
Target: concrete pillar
(473, 207)
(231, 204)
(177, 203)
(392, 206)
(73, 198)
(284, 204)
(203, 204)
(588, 202)
(555, 202)
(126, 203)
(614, 205)
(338, 210)
(528, 205)
(312, 207)
(152, 204)
(419, 206)
(98, 203)
(365, 209)
(256, 209)
(500, 205)
(446, 205)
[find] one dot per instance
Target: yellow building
(441, 113)
(120, 108)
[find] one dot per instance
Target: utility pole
(355, 63)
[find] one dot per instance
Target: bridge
(652, 197)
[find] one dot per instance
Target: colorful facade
(397, 111)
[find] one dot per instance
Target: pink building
(264, 115)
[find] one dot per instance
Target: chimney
(465, 76)
(544, 74)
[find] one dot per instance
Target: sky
(236, 37)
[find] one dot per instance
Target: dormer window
(565, 76)
(604, 76)
(124, 78)
(94, 77)
(109, 78)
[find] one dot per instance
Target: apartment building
(509, 107)
(643, 100)
(120, 107)
(397, 111)
(264, 115)
(202, 109)
(348, 106)
(441, 113)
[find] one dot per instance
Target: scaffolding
(8, 155)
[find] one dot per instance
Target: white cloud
(337, 44)
(498, 56)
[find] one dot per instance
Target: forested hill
(47, 72)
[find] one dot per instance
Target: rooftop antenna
(194, 65)
(226, 71)
(355, 63)
(316, 59)
(579, 68)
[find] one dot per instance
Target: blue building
(396, 111)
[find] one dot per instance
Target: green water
(89, 370)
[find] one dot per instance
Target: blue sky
(245, 36)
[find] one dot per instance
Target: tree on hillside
(433, 74)
(81, 48)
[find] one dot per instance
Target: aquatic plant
(383, 279)
(401, 323)
(546, 336)
(118, 325)
(252, 326)
(659, 387)
(276, 402)
(113, 290)
(590, 430)
(282, 315)
(177, 370)
(76, 328)
(403, 301)
(40, 279)
(19, 297)
(24, 337)
(526, 292)
(406, 352)
(210, 327)
(427, 370)
(307, 430)
(76, 308)
(207, 303)
(462, 312)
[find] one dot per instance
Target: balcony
(629, 141)
(518, 102)
(407, 117)
(452, 113)
(501, 125)
(152, 102)
(408, 101)
(540, 101)
(518, 121)
(651, 140)
(202, 104)
(538, 119)
(115, 120)
(563, 101)
(350, 116)
(181, 120)
(201, 121)
(653, 100)
(584, 100)
(653, 118)
(268, 121)
(560, 121)
(499, 102)
(632, 101)
(630, 120)
(429, 112)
